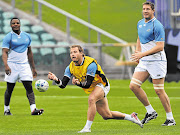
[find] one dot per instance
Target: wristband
(59, 82)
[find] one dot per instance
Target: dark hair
(13, 19)
(149, 3)
(79, 48)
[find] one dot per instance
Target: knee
(159, 92)
(91, 100)
(133, 87)
(107, 116)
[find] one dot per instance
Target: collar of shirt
(150, 20)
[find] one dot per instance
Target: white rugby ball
(41, 85)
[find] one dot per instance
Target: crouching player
(89, 76)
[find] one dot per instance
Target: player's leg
(31, 98)
(159, 89)
(11, 81)
(26, 77)
(139, 76)
(96, 95)
(7, 98)
(104, 111)
(135, 85)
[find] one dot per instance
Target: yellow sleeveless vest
(79, 72)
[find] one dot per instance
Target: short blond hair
(79, 48)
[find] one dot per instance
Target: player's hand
(136, 56)
(34, 72)
(52, 76)
(8, 70)
(75, 81)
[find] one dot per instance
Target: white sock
(6, 108)
(128, 117)
(88, 124)
(32, 107)
(169, 116)
(149, 109)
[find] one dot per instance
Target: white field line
(75, 87)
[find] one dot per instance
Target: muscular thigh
(103, 107)
(97, 94)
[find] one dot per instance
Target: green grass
(66, 110)
(118, 17)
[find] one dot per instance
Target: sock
(128, 117)
(88, 124)
(32, 107)
(149, 109)
(169, 116)
(6, 108)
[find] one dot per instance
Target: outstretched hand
(75, 81)
(52, 76)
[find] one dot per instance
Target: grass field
(65, 111)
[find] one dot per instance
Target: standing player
(89, 76)
(152, 61)
(15, 54)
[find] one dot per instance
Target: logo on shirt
(27, 40)
(148, 30)
(161, 38)
(14, 40)
(140, 26)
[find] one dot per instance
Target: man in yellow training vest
(88, 75)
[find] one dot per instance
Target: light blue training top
(149, 34)
(17, 45)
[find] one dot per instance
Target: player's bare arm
(4, 58)
(138, 45)
(159, 47)
(138, 49)
(31, 61)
